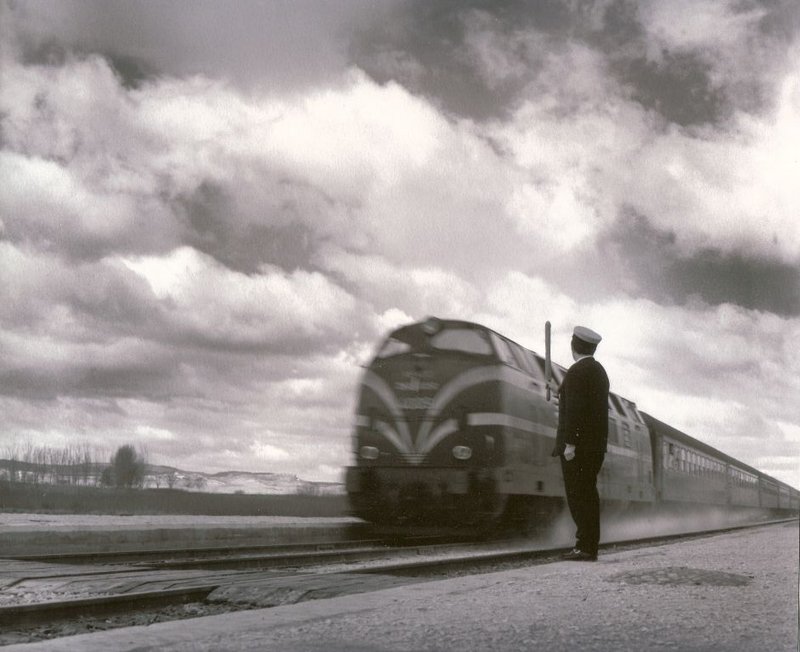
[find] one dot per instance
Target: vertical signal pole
(548, 367)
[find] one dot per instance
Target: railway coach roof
(665, 429)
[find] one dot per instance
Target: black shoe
(578, 555)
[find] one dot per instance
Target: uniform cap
(587, 335)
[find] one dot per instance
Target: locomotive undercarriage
(446, 498)
(426, 496)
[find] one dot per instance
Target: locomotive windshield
(455, 339)
(465, 340)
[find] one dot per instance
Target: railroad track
(115, 579)
(184, 553)
(277, 580)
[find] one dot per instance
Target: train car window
(392, 347)
(503, 351)
(463, 340)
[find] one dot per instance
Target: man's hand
(569, 452)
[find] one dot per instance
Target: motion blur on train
(454, 428)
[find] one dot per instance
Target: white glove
(569, 452)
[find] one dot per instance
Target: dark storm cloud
(275, 235)
(425, 47)
(131, 369)
(131, 70)
(663, 273)
(432, 48)
(781, 19)
(678, 87)
(280, 44)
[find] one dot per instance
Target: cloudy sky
(211, 212)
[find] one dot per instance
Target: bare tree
(86, 462)
(12, 455)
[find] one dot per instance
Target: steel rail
(191, 554)
(100, 605)
(119, 556)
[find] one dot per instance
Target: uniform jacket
(583, 408)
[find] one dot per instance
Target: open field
(68, 499)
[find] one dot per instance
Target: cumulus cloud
(208, 224)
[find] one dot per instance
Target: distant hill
(229, 482)
(157, 476)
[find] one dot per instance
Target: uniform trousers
(580, 484)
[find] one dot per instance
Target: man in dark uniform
(581, 439)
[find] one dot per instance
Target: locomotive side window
(464, 340)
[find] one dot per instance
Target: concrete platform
(42, 534)
(736, 591)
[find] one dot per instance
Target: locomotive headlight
(462, 452)
(369, 452)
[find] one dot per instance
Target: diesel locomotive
(453, 427)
